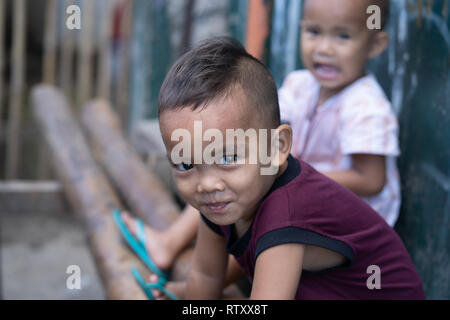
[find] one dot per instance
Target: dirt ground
(36, 250)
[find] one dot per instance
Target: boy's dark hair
(215, 69)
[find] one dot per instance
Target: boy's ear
(284, 135)
(380, 41)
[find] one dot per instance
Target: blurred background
(121, 53)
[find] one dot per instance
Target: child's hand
(366, 177)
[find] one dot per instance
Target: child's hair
(217, 68)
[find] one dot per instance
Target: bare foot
(157, 243)
(178, 288)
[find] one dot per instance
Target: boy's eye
(184, 166)
(227, 160)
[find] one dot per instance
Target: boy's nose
(210, 183)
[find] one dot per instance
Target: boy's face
(335, 41)
(224, 192)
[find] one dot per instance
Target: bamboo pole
(48, 75)
(104, 65)
(122, 88)
(84, 81)
(141, 189)
(67, 53)
(87, 190)
(17, 88)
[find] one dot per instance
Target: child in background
(343, 124)
(296, 233)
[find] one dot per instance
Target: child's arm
(366, 177)
(277, 272)
(209, 264)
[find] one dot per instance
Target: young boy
(343, 125)
(295, 232)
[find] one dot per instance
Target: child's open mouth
(218, 207)
(326, 71)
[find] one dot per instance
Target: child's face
(335, 41)
(224, 192)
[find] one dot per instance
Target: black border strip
(303, 236)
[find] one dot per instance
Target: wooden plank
(67, 55)
(142, 190)
(87, 190)
(144, 193)
(123, 77)
(147, 141)
(104, 64)
(48, 75)
(84, 80)
(17, 89)
(29, 186)
(20, 196)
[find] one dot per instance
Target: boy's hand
(209, 264)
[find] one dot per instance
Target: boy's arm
(277, 272)
(209, 264)
(367, 176)
(234, 271)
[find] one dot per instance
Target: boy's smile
(225, 192)
(335, 41)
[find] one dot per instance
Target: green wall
(421, 89)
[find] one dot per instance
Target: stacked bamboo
(87, 190)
